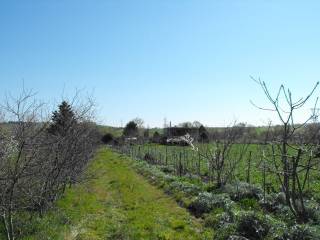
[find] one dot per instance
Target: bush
(149, 171)
(131, 129)
(284, 213)
(218, 219)
(169, 178)
(277, 228)
(313, 210)
(156, 137)
(167, 169)
(252, 225)
(272, 201)
(301, 232)
(249, 204)
(192, 178)
(225, 232)
(149, 158)
(184, 187)
(205, 202)
(107, 138)
(243, 190)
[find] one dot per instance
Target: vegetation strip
(236, 211)
(116, 204)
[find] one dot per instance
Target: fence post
(180, 164)
(249, 167)
(166, 156)
(199, 164)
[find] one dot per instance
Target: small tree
(20, 147)
(221, 156)
(203, 134)
(131, 129)
(156, 137)
(139, 122)
(62, 119)
(146, 133)
(226, 154)
(291, 161)
(197, 124)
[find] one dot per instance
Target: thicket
(40, 156)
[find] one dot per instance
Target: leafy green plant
(218, 218)
(185, 187)
(249, 204)
(241, 190)
(205, 202)
(301, 232)
(252, 225)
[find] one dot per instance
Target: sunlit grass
(116, 203)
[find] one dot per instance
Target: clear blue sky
(180, 59)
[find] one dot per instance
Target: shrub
(243, 190)
(313, 210)
(225, 232)
(205, 202)
(131, 129)
(192, 178)
(156, 137)
(249, 204)
(272, 201)
(149, 158)
(218, 219)
(301, 232)
(184, 187)
(252, 225)
(167, 169)
(107, 138)
(149, 171)
(284, 213)
(203, 134)
(277, 228)
(169, 178)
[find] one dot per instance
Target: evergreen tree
(131, 129)
(156, 137)
(62, 119)
(203, 134)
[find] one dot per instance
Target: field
(194, 163)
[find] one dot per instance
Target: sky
(182, 60)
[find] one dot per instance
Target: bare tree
(224, 155)
(38, 157)
(139, 122)
(291, 160)
(19, 158)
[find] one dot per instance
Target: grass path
(119, 204)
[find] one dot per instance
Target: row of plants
(236, 211)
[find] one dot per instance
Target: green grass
(116, 204)
(190, 160)
(115, 131)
